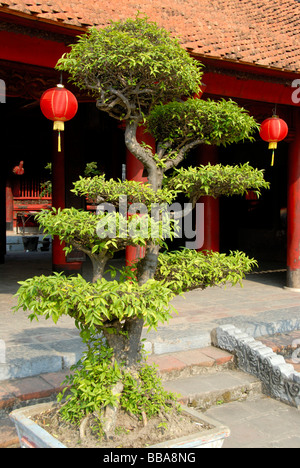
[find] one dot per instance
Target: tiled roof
(260, 32)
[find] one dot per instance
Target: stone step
(31, 359)
(205, 390)
(184, 364)
(46, 353)
(42, 352)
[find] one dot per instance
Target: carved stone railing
(279, 379)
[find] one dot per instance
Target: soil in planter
(130, 432)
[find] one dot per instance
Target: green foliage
(104, 233)
(186, 269)
(145, 394)
(216, 181)
(91, 169)
(134, 57)
(46, 187)
(78, 228)
(101, 190)
(215, 123)
(95, 305)
(94, 378)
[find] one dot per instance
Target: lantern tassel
(273, 158)
(59, 143)
(273, 146)
(59, 126)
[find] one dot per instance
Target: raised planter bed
(31, 435)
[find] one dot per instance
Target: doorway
(257, 225)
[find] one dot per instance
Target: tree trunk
(144, 155)
(125, 337)
(98, 264)
(147, 266)
(126, 342)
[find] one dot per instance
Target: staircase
(205, 377)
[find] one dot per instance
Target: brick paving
(286, 344)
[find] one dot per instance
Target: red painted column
(59, 262)
(9, 207)
(2, 218)
(58, 198)
(135, 171)
(209, 154)
(134, 168)
(293, 211)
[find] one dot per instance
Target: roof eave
(64, 28)
(250, 67)
(33, 21)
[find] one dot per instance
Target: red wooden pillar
(59, 261)
(209, 154)
(293, 211)
(135, 171)
(2, 218)
(9, 206)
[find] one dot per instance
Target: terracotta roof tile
(262, 32)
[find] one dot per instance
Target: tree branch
(98, 261)
(181, 154)
(162, 148)
(108, 105)
(186, 211)
(147, 265)
(143, 155)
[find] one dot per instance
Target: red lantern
(273, 130)
(60, 105)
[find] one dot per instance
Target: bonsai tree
(138, 74)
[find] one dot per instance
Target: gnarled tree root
(110, 413)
